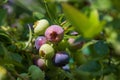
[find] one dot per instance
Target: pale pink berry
(54, 33)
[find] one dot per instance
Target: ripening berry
(75, 44)
(54, 33)
(40, 26)
(46, 51)
(41, 63)
(40, 41)
(61, 59)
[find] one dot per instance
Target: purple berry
(40, 41)
(61, 59)
(54, 33)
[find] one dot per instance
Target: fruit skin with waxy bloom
(61, 59)
(40, 26)
(66, 67)
(40, 41)
(46, 51)
(54, 33)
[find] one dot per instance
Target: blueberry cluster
(47, 39)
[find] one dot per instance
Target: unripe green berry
(36, 73)
(40, 26)
(46, 51)
(3, 73)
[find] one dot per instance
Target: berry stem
(30, 37)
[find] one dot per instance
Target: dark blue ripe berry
(61, 59)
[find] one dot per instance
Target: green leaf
(95, 26)
(102, 4)
(36, 73)
(3, 16)
(38, 15)
(88, 26)
(3, 2)
(115, 24)
(77, 18)
(2, 31)
(92, 66)
(101, 48)
(16, 57)
(116, 4)
(7, 59)
(2, 52)
(30, 5)
(5, 38)
(81, 75)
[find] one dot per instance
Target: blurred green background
(98, 21)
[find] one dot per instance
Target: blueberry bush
(59, 39)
